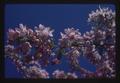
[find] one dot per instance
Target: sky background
(56, 16)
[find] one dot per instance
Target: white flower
(106, 13)
(55, 72)
(97, 55)
(38, 72)
(91, 32)
(9, 48)
(72, 75)
(87, 33)
(11, 34)
(23, 67)
(107, 64)
(17, 30)
(43, 31)
(63, 35)
(52, 54)
(93, 49)
(71, 33)
(58, 74)
(46, 31)
(27, 44)
(23, 30)
(41, 27)
(50, 33)
(76, 53)
(87, 36)
(90, 15)
(113, 24)
(30, 31)
(43, 74)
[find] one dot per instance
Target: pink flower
(11, 34)
(59, 74)
(44, 31)
(23, 30)
(30, 32)
(71, 33)
(98, 45)
(25, 47)
(43, 74)
(101, 13)
(36, 72)
(71, 76)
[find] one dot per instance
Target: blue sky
(56, 16)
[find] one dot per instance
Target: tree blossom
(102, 18)
(59, 74)
(71, 76)
(44, 31)
(96, 45)
(71, 33)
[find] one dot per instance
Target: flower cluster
(71, 33)
(71, 43)
(62, 75)
(102, 17)
(20, 42)
(101, 40)
(36, 72)
(70, 37)
(43, 31)
(97, 45)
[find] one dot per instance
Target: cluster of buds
(97, 45)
